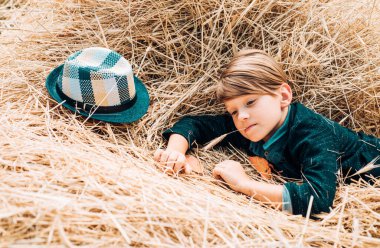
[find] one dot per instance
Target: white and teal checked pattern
(98, 76)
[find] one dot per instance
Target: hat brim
(135, 112)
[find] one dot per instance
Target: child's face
(257, 117)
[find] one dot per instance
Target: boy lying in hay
(263, 121)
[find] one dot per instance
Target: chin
(254, 139)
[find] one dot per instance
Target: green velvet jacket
(312, 151)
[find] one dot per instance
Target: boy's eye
(250, 102)
(234, 113)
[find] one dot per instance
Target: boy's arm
(178, 143)
(203, 128)
(264, 168)
(184, 133)
(276, 195)
(265, 192)
(173, 157)
(315, 149)
(234, 175)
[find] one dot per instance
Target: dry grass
(64, 181)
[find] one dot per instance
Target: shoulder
(312, 131)
(305, 119)
(301, 113)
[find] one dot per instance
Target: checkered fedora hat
(99, 83)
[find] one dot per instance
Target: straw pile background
(69, 181)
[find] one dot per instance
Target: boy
(296, 141)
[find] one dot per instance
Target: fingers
(194, 164)
(188, 169)
(224, 168)
(157, 155)
(217, 172)
(164, 157)
(173, 161)
(178, 163)
(172, 158)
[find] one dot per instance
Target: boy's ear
(286, 95)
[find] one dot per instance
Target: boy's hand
(174, 161)
(233, 174)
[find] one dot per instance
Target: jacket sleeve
(203, 128)
(313, 146)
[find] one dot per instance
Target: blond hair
(250, 71)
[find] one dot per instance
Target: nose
(243, 115)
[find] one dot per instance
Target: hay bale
(66, 181)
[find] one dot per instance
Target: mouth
(249, 127)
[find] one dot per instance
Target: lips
(249, 127)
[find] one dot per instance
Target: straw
(67, 182)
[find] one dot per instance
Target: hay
(67, 181)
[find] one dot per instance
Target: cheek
(268, 111)
(240, 127)
(237, 123)
(260, 114)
